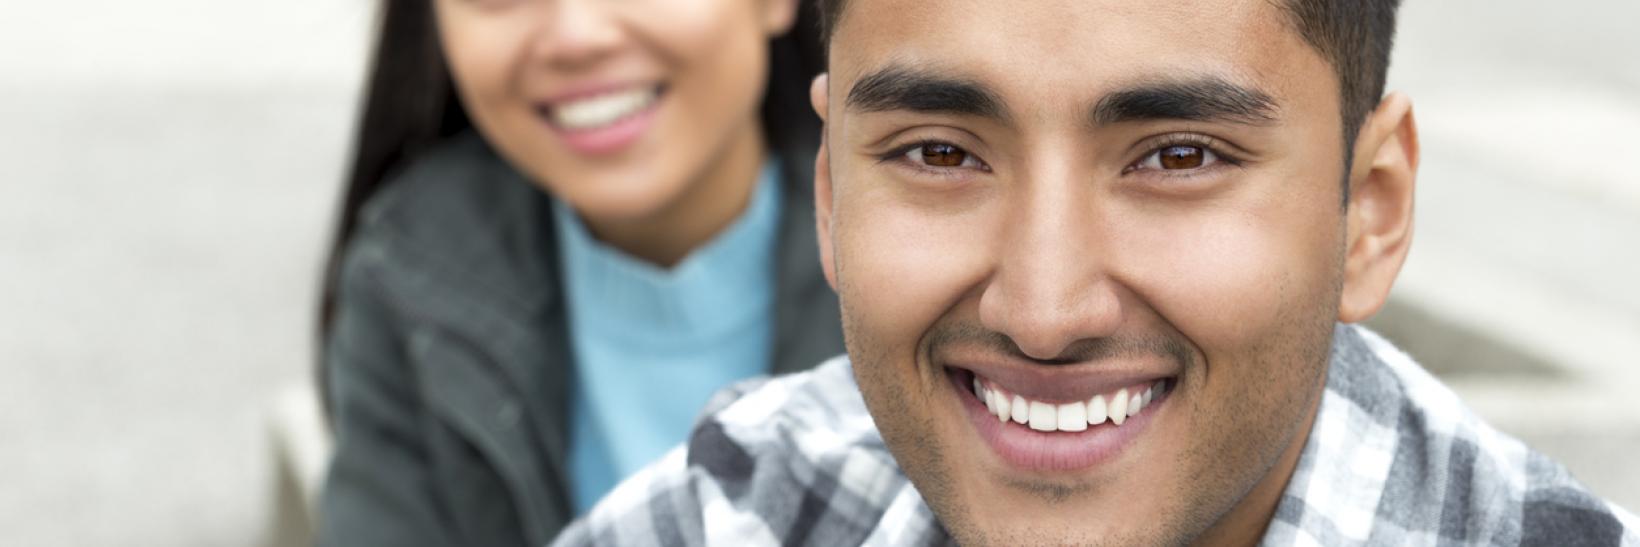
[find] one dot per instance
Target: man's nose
(577, 33)
(1051, 286)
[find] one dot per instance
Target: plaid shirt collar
(1393, 459)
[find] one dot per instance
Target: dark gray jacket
(447, 365)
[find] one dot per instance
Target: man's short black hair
(1354, 35)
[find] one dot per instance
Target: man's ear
(779, 16)
(1379, 218)
(822, 182)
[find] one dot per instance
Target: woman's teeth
(601, 110)
(1116, 406)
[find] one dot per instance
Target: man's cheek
(1222, 278)
(903, 269)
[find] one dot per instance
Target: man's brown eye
(1183, 157)
(943, 155)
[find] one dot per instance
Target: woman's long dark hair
(410, 104)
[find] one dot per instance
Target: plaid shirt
(1394, 459)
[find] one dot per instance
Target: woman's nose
(579, 32)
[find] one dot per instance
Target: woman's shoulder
(457, 210)
(459, 176)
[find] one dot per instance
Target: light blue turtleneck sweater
(651, 345)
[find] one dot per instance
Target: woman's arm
(379, 490)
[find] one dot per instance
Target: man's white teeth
(999, 405)
(601, 110)
(1119, 409)
(1044, 417)
(1077, 416)
(1073, 417)
(1096, 410)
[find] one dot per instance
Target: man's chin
(997, 506)
(994, 524)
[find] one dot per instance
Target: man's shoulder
(1395, 456)
(793, 459)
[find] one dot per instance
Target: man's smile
(1070, 417)
(1059, 420)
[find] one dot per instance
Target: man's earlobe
(1379, 219)
(822, 211)
(822, 180)
(817, 95)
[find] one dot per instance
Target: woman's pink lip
(1060, 451)
(610, 138)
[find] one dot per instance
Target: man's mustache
(969, 333)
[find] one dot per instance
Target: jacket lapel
(480, 275)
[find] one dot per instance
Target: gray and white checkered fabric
(1394, 459)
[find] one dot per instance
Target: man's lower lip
(1030, 450)
(610, 138)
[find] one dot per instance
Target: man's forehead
(1057, 19)
(1067, 44)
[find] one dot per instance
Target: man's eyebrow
(897, 87)
(1202, 99)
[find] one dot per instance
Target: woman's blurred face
(619, 107)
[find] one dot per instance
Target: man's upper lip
(1061, 383)
(590, 89)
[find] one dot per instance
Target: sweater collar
(717, 289)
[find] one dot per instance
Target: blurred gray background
(169, 171)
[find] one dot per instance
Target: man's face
(1073, 202)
